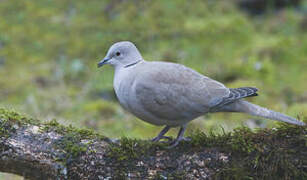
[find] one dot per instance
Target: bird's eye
(117, 53)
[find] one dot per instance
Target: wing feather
(175, 92)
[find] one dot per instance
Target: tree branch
(51, 151)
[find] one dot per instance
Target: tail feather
(242, 92)
(255, 110)
(236, 94)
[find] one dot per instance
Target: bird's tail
(255, 110)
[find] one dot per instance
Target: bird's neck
(134, 63)
(120, 67)
(122, 73)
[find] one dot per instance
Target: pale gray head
(121, 54)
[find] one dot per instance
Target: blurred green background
(49, 50)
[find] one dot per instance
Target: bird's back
(167, 93)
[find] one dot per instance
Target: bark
(51, 151)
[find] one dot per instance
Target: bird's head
(121, 54)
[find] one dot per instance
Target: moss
(11, 120)
(127, 152)
(261, 154)
(130, 149)
(72, 145)
(16, 118)
(71, 139)
(241, 140)
(53, 125)
(277, 153)
(199, 138)
(177, 175)
(266, 154)
(233, 173)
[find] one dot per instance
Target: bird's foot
(158, 138)
(176, 142)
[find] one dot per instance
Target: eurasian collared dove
(172, 95)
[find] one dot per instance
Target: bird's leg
(179, 137)
(161, 135)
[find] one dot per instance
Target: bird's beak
(103, 62)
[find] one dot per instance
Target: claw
(161, 135)
(172, 142)
(157, 139)
(179, 138)
(168, 138)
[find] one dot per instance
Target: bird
(171, 95)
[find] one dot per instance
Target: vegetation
(49, 51)
(266, 154)
(11, 120)
(278, 153)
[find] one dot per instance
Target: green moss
(72, 145)
(53, 125)
(239, 140)
(71, 139)
(266, 154)
(199, 138)
(130, 149)
(10, 120)
(126, 153)
(177, 175)
(261, 154)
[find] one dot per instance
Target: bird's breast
(123, 83)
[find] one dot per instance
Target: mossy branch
(51, 151)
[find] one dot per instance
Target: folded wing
(175, 92)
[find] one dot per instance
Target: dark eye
(117, 53)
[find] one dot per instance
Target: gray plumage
(236, 94)
(170, 94)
